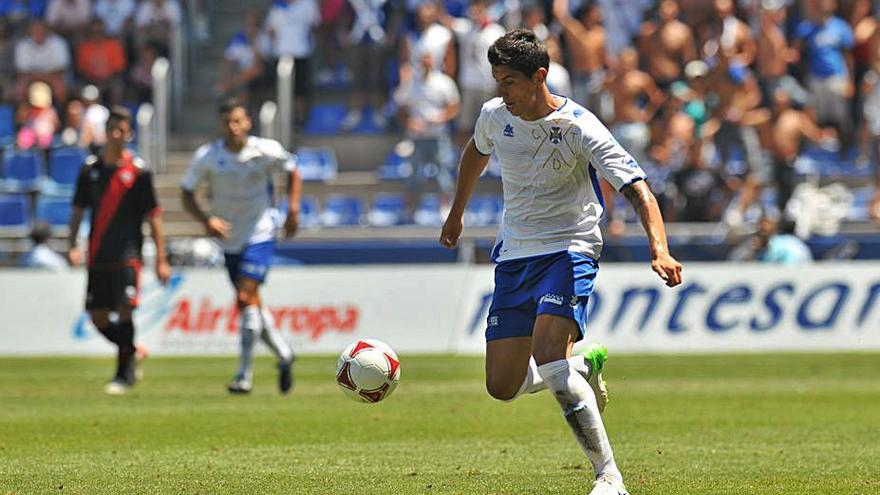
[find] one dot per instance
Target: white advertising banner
(443, 308)
(718, 308)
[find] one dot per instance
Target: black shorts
(112, 288)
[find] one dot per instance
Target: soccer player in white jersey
(551, 152)
(238, 170)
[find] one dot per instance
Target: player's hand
(291, 224)
(163, 271)
(75, 256)
(217, 227)
(668, 269)
(451, 231)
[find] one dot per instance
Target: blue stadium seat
(308, 212)
(428, 211)
(64, 166)
(53, 210)
(325, 119)
(395, 168)
(15, 211)
(388, 209)
(22, 170)
(484, 210)
(7, 125)
(342, 211)
(858, 212)
(317, 163)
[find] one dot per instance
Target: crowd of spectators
(62, 62)
(718, 97)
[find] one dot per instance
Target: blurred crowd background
(740, 110)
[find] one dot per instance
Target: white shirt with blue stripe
(549, 172)
(240, 187)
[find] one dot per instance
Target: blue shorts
(252, 262)
(557, 284)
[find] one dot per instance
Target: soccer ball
(368, 371)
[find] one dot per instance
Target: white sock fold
(582, 414)
(534, 383)
(273, 338)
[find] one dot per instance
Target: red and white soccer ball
(368, 371)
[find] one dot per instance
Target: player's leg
(241, 383)
(249, 303)
(275, 340)
(552, 342)
(563, 292)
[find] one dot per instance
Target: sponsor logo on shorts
(552, 299)
(253, 268)
(493, 321)
(574, 301)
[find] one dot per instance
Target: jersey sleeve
(147, 194)
(482, 132)
(81, 193)
(608, 157)
(198, 170)
(280, 159)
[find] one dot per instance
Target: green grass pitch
(798, 424)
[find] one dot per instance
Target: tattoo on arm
(638, 196)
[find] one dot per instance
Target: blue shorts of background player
(558, 284)
(252, 262)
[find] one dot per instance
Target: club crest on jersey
(555, 135)
(508, 130)
(126, 177)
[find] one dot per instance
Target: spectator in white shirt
(42, 56)
(41, 256)
(475, 34)
(156, 20)
(118, 15)
(244, 59)
(291, 24)
(69, 18)
(428, 102)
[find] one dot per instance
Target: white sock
(250, 327)
(582, 414)
(273, 338)
(534, 383)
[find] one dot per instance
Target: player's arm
(74, 253)
(214, 226)
(643, 201)
(469, 170)
(294, 194)
(163, 269)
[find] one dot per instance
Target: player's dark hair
(118, 114)
(229, 105)
(521, 51)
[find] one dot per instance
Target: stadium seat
(388, 209)
(7, 125)
(22, 170)
(308, 212)
(342, 211)
(395, 168)
(64, 166)
(15, 211)
(53, 210)
(325, 119)
(317, 164)
(484, 210)
(428, 211)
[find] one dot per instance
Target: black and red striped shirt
(120, 198)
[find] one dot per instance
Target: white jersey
(240, 187)
(552, 200)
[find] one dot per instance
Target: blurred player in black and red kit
(120, 195)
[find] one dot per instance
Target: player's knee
(501, 391)
(245, 298)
